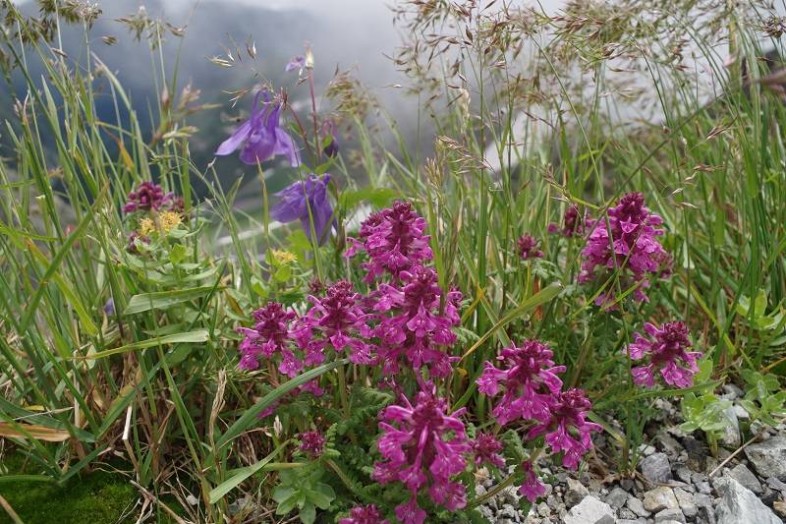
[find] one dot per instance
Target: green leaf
(241, 474)
(189, 337)
(164, 299)
(321, 495)
(308, 513)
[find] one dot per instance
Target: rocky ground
(677, 481)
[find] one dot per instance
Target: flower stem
(492, 492)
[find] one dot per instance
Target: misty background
(345, 35)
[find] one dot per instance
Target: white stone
(739, 504)
(590, 511)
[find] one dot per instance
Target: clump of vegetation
(365, 354)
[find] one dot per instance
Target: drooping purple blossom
(261, 137)
(307, 201)
(312, 443)
(109, 307)
(296, 63)
(666, 351)
(422, 446)
(528, 247)
(364, 515)
(628, 243)
(338, 320)
(532, 488)
(394, 240)
(133, 242)
(414, 325)
(269, 335)
(329, 139)
(486, 449)
(148, 196)
(530, 382)
(566, 427)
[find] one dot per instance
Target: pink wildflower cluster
(312, 443)
(572, 223)
(665, 350)
(149, 196)
(533, 392)
(394, 240)
(528, 247)
(423, 447)
(364, 515)
(412, 327)
(628, 243)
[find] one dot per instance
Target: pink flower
(530, 382)
(628, 243)
(423, 447)
(413, 322)
(312, 443)
(566, 427)
(269, 335)
(340, 321)
(532, 488)
(528, 247)
(486, 449)
(394, 240)
(150, 196)
(573, 223)
(364, 515)
(666, 350)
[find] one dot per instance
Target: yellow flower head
(169, 220)
(282, 257)
(146, 226)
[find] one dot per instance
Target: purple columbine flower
(566, 427)
(261, 137)
(329, 139)
(628, 242)
(297, 62)
(364, 515)
(148, 196)
(422, 446)
(666, 350)
(528, 247)
(530, 382)
(394, 240)
(307, 201)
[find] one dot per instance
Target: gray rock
(627, 514)
(617, 498)
(511, 495)
(670, 515)
(683, 473)
(486, 512)
(704, 487)
(743, 475)
(637, 507)
(739, 504)
(575, 493)
(544, 510)
(507, 511)
(731, 432)
(659, 499)
(656, 468)
(590, 511)
(768, 457)
(687, 502)
(776, 484)
(741, 412)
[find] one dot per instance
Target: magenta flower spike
(627, 242)
(307, 201)
(261, 137)
(148, 196)
(528, 247)
(269, 335)
(530, 382)
(665, 351)
(423, 447)
(566, 428)
(532, 488)
(364, 515)
(394, 240)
